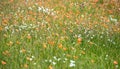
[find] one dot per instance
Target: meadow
(59, 34)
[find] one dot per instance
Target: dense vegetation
(59, 34)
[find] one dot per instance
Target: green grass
(48, 38)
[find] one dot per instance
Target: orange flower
(25, 65)
(3, 62)
(1, 28)
(60, 46)
(64, 49)
(51, 42)
(71, 31)
(115, 62)
(29, 36)
(79, 40)
(95, 1)
(17, 42)
(23, 50)
(11, 1)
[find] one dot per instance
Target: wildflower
(55, 57)
(59, 59)
(50, 67)
(5, 35)
(17, 42)
(95, 1)
(33, 56)
(6, 53)
(83, 52)
(71, 31)
(79, 40)
(44, 45)
(51, 42)
(11, 1)
(54, 63)
(68, 55)
(115, 62)
(92, 61)
(72, 63)
(10, 43)
(26, 65)
(91, 43)
(22, 51)
(28, 58)
(1, 28)
(60, 46)
(64, 48)
(56, 34)
(75, 57)
(72, 48)
(37, 29)
(5, 22)
(3, 62)
(29, 36)
(34, 63)
(16, 30)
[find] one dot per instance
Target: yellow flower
(44, 45)
(10, 43)
(92, 61)
(50, 67)
(7, 53)
(75, 57)
(83, 52)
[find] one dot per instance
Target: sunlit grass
(56, 34)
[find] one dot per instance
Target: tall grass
(58, 34)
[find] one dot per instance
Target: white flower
(71, 61)
(55, 57)
(50, 60)
(54, 63)
(31, 59)
(39, 8)
(34, 63)
(30, 8)
(46, 60)
(66, 59)
(72, 65)
(33, 56)
(59, 59)
(82, 15)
